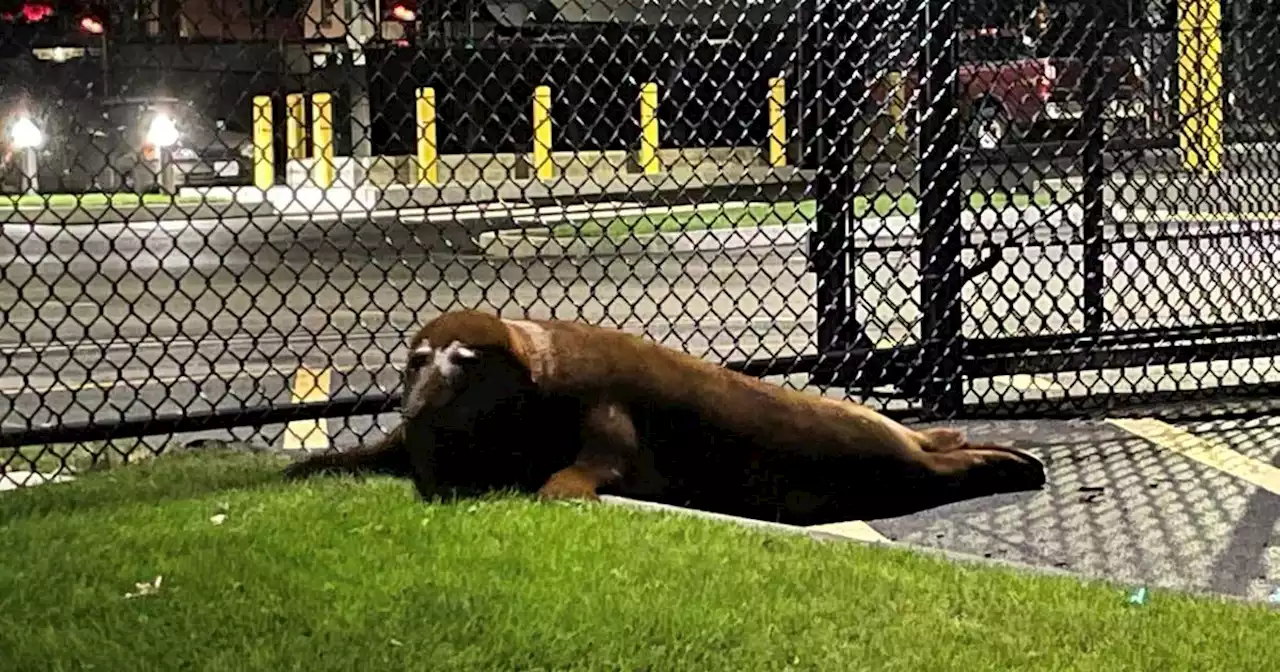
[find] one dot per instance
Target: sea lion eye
(419, 357)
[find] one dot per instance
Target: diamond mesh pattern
(936, 207)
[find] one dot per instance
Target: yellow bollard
(428, 170)
(1200, 77)
(898, 104)
(309, 385)
(777, 122)
(648, 154)
(322, 140)
(542, 165)
(295, 129)
(264, 162)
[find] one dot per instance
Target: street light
(25, 134)
(28, 137)
(162, 134)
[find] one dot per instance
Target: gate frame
(934, 371)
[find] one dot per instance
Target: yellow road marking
(853, 529)
(1207, 451)
(308, 386)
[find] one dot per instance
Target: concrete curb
(945, 554)
(523, 244)
(146, 213)
(886, 233)
(13, 480)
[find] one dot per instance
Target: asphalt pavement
(111, 319)
(1189, 507)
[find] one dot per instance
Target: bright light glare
(36, 13)
(25, 134)
(163, 132)
(91, 25)
(403, 13)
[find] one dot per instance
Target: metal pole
(165, 171)
(30, 170)
(1097, 89)
(838, 80)
(106, 67)
(828, 255)
(942, 241)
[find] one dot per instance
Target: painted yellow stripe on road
(853, 529)
(1207, 451)
(309, 386)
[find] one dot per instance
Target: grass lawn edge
(231, 449)
(933, 551)
(526, 584)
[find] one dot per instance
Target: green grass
(100, 200)
(778, 214)
(342, 575)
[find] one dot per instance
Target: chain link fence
(228, 217)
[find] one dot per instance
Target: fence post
(777, 122)
(832, 25)
(648, 154)
(428, 170)
(942, 239)
(542, 165)
(264, 168)
(1097, 87)
(1200, 83)
(322, 140)
(295, 129)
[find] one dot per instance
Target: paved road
(163, 304)
(110, 319)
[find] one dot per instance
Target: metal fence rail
(214, 224)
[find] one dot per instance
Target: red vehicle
(1127, 110)
(1008, 90)
(1004, 87)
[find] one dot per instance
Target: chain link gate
(1131, 264)
(941, 208)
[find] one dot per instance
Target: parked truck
(1010, 93)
